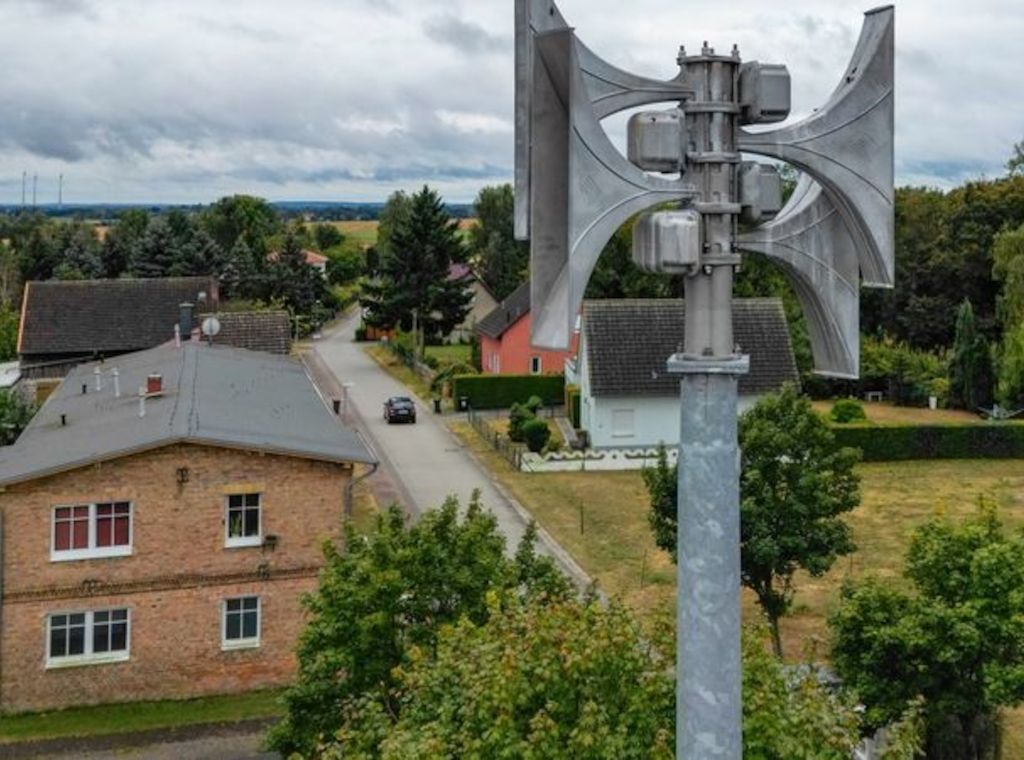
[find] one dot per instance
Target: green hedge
(572, 404)
(501, 391)
(888, 444)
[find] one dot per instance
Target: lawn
(138, 716)
(453, 354)
(601, 519)
(883, 413)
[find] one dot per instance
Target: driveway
(426, 458)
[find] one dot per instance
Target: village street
(425, 460)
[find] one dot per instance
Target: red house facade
(505, 341)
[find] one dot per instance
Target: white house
(627, 397)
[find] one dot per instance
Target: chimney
(154, 385)
(142, 401)
(98, 374)
(177, 335)
(185, 320)
(117, 382)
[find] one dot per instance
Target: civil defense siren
(574, 189)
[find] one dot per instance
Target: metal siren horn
(847, 147)
(609, 89)
(581, 189)
(811, 242)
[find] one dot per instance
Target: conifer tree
(970, 371)
(415, 287)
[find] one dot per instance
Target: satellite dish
(211, 327)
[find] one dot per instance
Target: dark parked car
(399, 409)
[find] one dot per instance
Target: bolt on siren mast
(836, 231)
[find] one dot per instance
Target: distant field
(364, 233)
(884, 413)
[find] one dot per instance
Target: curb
(106, 742)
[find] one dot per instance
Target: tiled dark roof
(268, 331)
(516, 306)
(629, 341)
(106, 316)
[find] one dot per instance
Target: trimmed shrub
(847, 410)
(572, 404)
(536, 433)
(534, 404)
(897, 443)
(518, 416)
(501, 391)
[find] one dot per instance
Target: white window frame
(241, 542)
(536, 360)
(252, 642)
(93, 552)
(88, 657)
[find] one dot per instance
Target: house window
(243, 520)
(622, 423)
(86, 531)
(82, 638)
(535, 365)
(241, 627)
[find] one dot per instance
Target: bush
(501, 391)
(518, 416)
(361, 334)
(898, 443)
(847, 410)
(553, 447)
(534, 404)
(572, 404)
(536, 434)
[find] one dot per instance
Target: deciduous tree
(795, 484)
(957, 640)
(504, 261)
(389, 593)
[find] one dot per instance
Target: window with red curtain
(112, 524)
(102, 528)
(71, 528)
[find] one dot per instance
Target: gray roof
(106, 316)
(212, 395)
(514, 307)
(629, 341)
(269, 331)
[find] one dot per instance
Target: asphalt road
(428, 460)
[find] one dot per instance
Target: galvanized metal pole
(708, 664)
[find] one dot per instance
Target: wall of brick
(175, 649)
(178, 572)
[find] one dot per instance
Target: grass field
(887, 414)
(601, 519)
(103, 720)
(457, 353)
(364, 233)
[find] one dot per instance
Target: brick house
(157, 546)
(505, 340)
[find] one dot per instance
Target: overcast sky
(188, 100)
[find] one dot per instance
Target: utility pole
(574, 190)
(35, 184)
(60, 193)
(24, 177)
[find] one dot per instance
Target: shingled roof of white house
(629, 341)
(211, 395)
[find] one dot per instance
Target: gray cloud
(349, 100)
(464, 36)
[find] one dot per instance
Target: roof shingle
(106, 316)
(269, 331)
(514, 307)
(629, 341)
